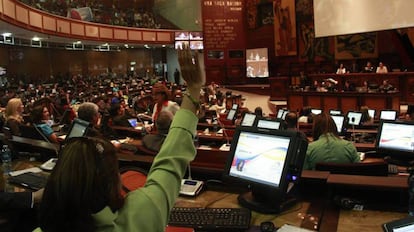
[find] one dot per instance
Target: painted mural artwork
(285, 27)
(311, 48)
(353, 46)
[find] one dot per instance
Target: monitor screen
(231, 114)
(388, 115)
(396, 136)
(268, 124)
(78, 129)
(316, 111)
(260, 158)
(335, 112)
(339, 122)
(248, 120)
(354, 118)
(257, 63)
(371, 113)
(235, 106)
(133, 122)
(280, 113)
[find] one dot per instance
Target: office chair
(364, 169)
(132, 178)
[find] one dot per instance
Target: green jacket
(147, 209)
(329, 148)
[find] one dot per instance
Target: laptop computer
(134, 123)
(34, 181)
(401, 225)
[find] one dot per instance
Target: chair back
(132, 178)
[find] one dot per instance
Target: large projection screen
(340, 17)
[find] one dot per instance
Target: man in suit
(154, 141)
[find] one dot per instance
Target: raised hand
(190, 68)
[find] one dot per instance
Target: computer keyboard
(211, 219)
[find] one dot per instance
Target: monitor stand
(247, 200)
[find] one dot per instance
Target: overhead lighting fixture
(146, 46)
(77, 42)
(35, 38)
(126, 45)
(6, 34)
(163, 45)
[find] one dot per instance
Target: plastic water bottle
(411, 191)
(6, 159)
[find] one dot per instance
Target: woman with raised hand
(83, 191)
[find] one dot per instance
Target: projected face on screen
(397, 136)
(260, 158)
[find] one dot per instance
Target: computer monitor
(268, 123)
(133, 122)
(235, 106)
(248, 120)
(396, 138)
(231, 115)
(280, 113)
(78, 128)
(388, 115)
(371, 113)
(354, 118)
(339, 122)
(284, 114)
(316, 111)
(335, 112)
(267, 161)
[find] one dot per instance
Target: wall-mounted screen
(257, 63)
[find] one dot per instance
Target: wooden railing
(26, 17)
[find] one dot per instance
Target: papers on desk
(220, 131)
(204, 147)
(290, 228)
(62, 137)
(34, 170)
(225, 147)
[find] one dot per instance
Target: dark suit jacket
(153, 141)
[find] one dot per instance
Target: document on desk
(290, 228)
(204, 147)
(19, 172)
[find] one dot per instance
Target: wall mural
(285, 27)
(311, 48)
(353, 46)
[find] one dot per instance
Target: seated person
(89, 112)
(258, 111)
(155, 141)
(341, 69)
(117, 113)
(161, 95)
(382, 68)
(291, 120)
(306, 115)
(40, 117)
(386, 87)
(366, 118)
(348, 87)
(327, 146)
(214, 105)
(368, 68)
(13, 115)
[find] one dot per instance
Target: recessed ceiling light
(163, 45)
(36, 38)
(78, 42)
(7, 34)
(126, 45)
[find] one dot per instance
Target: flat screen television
(339, 122)
(268, 162)
(335, 112)
(388, 115)
(281, 112)
(371, 113)
(354, 118)
(316, 111)
(248, 120)
(79, 128)
(231, 115)
(271, 124)
(257, 63)
(396, 138)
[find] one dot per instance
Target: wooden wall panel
(22, 15)
(9, 9)
(35, 19)
(49, 23)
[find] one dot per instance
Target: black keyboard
(211, 219)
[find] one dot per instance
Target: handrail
(26, 17)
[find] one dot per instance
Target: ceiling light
(163, 45)
(78, 42)
(36, 38)
(126, 45)
(7, 34)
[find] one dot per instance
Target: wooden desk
(305, 214)
(383, 182)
